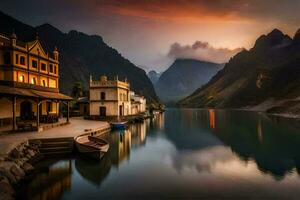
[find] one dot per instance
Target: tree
(77, 90)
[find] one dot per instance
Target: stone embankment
(16, 166)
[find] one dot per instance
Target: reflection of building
(109, 97)
(53, 184)
(259, 130)
(138, 133)
(120, 145)
(29, 82)
(212, 118)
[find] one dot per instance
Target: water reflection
(211, 154)
(52, 181)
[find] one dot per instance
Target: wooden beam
(38, 114)
(14, 102)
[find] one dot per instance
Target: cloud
(202, 51)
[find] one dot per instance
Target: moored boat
(119, 125)
(91, 146)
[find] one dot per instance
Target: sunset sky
(152, 33)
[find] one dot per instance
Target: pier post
(68, 113)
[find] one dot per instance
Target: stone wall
(15, 167)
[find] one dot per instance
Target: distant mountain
(153, 76)
(82, 55)
(183, 77)
(264, 78)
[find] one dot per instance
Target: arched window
(33, 80)
(22, 78)
(102, 95)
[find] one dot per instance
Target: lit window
(33, 80)
(22, 78)
(44, 83)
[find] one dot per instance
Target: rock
(31, 153)
(14, 153)
(27, 167)
(6, 190)
(6, 173)
(17, 171)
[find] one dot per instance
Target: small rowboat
(91, 146)
(119, 125)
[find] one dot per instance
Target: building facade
(113, 98)
(109, 97)
(29, 82)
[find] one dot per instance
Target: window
(17, 58)
(34, 64)
(120, 96)
(43, 66)
(51, 68)
(22, 78)
(6, 58)
(49, 107)
(33, 80)
(22, 60)
(55, 69)
(102, 95)
(44, 83)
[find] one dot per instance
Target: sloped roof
(33, 93)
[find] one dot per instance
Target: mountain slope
(82, 55)
(268, 71)
(183, 77)
(153, 76)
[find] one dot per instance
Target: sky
(153, 33)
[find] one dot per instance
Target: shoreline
(17, 161)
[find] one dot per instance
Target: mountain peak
(274, 39)
(297, 36)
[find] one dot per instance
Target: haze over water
(184, 154)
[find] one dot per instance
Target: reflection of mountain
(190, 132)
(51, 184)
(274, 147)
(93, 171)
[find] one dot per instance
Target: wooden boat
(91, 146)
(119, 125)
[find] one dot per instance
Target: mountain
(82, 55)
(153, 76)
(183, 77)
(264, 78)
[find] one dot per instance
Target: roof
(33, 93)
(82, 100)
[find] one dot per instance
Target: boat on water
(91, 146)
(119, 125)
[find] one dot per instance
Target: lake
(183, 154)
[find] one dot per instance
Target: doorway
(120, 110)
(102, 111)
(26, 110)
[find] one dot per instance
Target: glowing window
(33, 80)
(22, 78)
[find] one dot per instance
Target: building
(29, 83)
(112, 98)
(138, 103)
(109, 97)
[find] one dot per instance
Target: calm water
(184, 154)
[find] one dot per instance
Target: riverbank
(19, 151)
